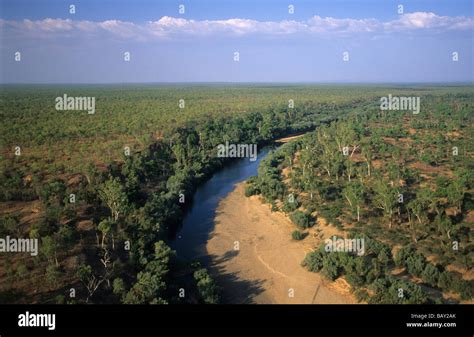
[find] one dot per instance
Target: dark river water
(198, 223)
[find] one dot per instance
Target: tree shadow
(233, 289)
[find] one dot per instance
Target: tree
(88, 279)
(50, 248)
(207, 287)
(52, 274)
(455, 192)
(350, 168)
(112, 194)
(118, 287)
(416, 208)
(106, 226)
(354, 194)
(53, 193)
(146, 290)
(150, 283)
(367, 155)
(64, 237)
(444, 224)
(385, 198)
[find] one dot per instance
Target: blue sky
(199, 45)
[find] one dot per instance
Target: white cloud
(170, 27)
(429, 21)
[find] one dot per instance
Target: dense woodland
(110, 243)
(401, 181)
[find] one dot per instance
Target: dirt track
(266, 268)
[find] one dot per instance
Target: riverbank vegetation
(402, 181)
(102, 193)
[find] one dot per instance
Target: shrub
(53, 193)
(274, 207)
(416, 264)
(290, 206)
(313, 261)
(403, 254)
(361, 295)
(445, 280)
(330, 268)
(430, 274)
(251, 190)
(8, 225)
(52, 274)
(302, 219)
(297, 235)
(395, 291)
(464, 288)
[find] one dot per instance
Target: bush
(290, 206)
(331, 213)
(8, 225)
(389, 289)
(52, 274)
(274, 207)
(445, 280)
(416, 264)
(403, 254)
(297, 235)
(464, 288)
(251, 190)
(207, 287)
(330, 268)
(21, 271)
(60, 299)
(251, 187)
(430, 274)
(313, 261)
(53, 193)
(302, 219)
(361, 295)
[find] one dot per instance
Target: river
(189, 242)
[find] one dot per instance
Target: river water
(191, 238)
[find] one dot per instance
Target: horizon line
(468, 83)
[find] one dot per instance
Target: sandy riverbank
(266, 268)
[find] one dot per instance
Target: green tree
(49, 248)
(385, 198)
(112, 194)
(207, 287)
(354, 194)
(455, 192)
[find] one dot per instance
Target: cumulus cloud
(171, 28)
